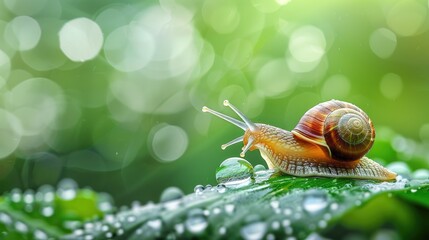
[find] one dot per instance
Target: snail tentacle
(232, 142)
(229, 119)
(249, 123)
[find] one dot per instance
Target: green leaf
(280, 206)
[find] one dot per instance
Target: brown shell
(343, 128)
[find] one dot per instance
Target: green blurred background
(109, 93)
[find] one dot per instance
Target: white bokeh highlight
(10, 133)
(23, 33)
(168, 142)
(391, 86)
(383, 42)
(81, 39)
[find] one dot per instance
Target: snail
(330, 140)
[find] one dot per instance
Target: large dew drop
(196, 222)
(234, 172)
(67, 189)
(254, 230)
(171, 198)
(315, 201)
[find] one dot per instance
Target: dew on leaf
(40, 235)
(229, 208)
(171, 193)
(45, 193)
(400, 168)
(152, 229)
(199, 189)
(253, 231)
(421, 174)
(196, 221)
(67, 189)
(259, 167)
(221, 188)
(171, 198)
(5, 218)
(179, 228)
(21, 227)
(47, 211)
(234, 172)
(16, 195)
(315, 201)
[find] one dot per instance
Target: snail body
(330, 140)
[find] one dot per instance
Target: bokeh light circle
(23, 33)
(129, 48)
(274, 79)
(238, 53)
(222, 15)
(266, 6)
(145, 95)
(25, 7)
(383, 42)
(168, 142)
(406, 17)
(307, 44)
(36, 102)
(391, 86)
(10, 133)
(46, 55)
(81, 39)
(4, 65)
(336, 87)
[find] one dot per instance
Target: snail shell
(344, 129)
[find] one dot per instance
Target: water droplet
(131, 218)
(105, 203)
(88, 237)
(286, 223)
(254, 230)
(47, 211)
(152, 229)
(259, 167)
(29, 196)
(196, 222)
(180, 228)
(229, 208)
(5, 218)
(199, 189)
(40, 235)
(45, 193)
(421, 174)
(287, 211)
(275, 204)
(109, 235)
(234, 172)
(170, 194)
(315, 201)
(216, 211)
(413, 190)
(78, 232)
(15, 195)
(221, 188)
(271, 236)
(67, 189)
(322, 224)
(399, 168)
(21, 227)
(275, 225)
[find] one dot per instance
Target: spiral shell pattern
(342, 127)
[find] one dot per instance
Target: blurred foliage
(109, 93)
